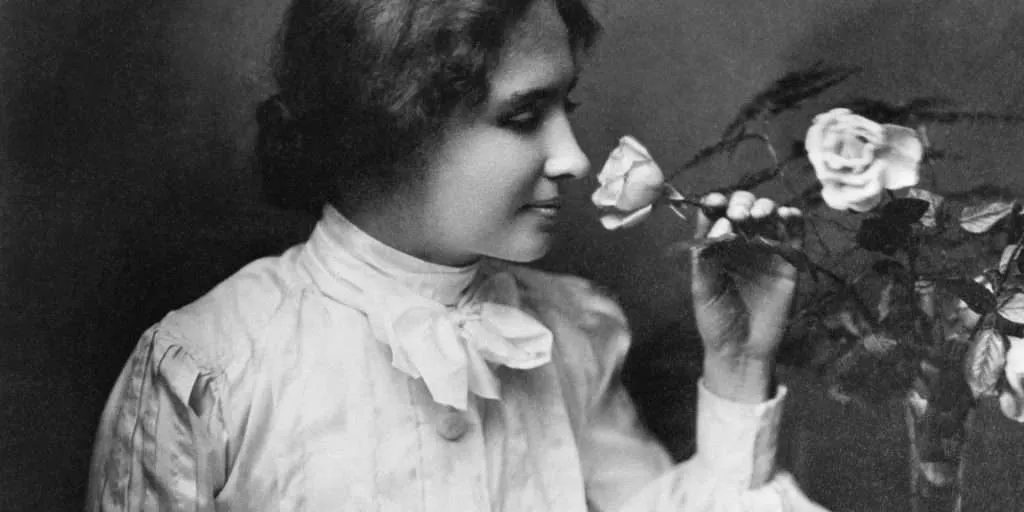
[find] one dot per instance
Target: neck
(405, 230)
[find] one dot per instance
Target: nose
(565, 158)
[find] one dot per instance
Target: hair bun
(289, 179)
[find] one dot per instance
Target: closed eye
(530, 117)
(526, 111)
(525, 120)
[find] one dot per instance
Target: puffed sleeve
(160, 442)
(626, 469)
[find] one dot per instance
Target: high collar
(343, 248)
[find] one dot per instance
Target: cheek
(483, 175)
(483, 200)
(502, 174)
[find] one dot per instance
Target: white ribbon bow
(450, 348)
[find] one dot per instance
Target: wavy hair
(365, 85)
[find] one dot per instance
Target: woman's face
(493, 185)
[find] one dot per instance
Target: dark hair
(364, 85)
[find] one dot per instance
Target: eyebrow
(538, 94)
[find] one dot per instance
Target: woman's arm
(160, 438)
(626, 468)
(741, 302)
(733, 469)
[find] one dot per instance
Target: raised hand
(742, 294)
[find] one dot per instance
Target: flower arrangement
(913, 294)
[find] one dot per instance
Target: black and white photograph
(512, 256)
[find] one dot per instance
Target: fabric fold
(445, 325)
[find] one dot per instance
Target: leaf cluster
(898, 324)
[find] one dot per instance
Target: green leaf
(878, 234)
(1004, 259)
(1009, 328)
(1013, 308)
(934, 202)
(981, 218)
(879, 343)
(974, 294)
(986, 359)
(905, 210)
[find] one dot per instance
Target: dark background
(125, 191)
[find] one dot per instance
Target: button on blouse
(284, 388)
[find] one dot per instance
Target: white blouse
(346, 375)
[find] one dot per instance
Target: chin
(525, 249)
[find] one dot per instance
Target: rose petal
(630, 180)
(867, 204)
(1012, 406)
(850, 166)
(903, 152)
(813, 139)
(634, 148)
(620, 162)
(841, 196)
(607, 195)
(614, 167)
(856, 158)
(817, 159)
(642, 187)
(1011, 401)
(834, 198)
(1015, 364)
(867, 175)
(621, 159)
(614, 220)
(866, 129)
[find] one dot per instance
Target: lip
(554, 202)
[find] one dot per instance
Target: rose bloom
(856, 158)
(630, 183)
(1011, 401)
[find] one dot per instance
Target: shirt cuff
(737, 442)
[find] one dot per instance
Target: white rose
(1011, 401)
(856, 158)
(630, 183)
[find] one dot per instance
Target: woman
(399, 359)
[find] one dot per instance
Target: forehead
(537, 52)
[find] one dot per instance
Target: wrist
(740, 379)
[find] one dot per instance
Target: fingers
(714, 208)
(717, 269)
(721, 228)
(739, 205)
(762, 208)
(742, 210)
(747, 215)
(788, 211)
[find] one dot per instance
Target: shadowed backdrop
(126, 190)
